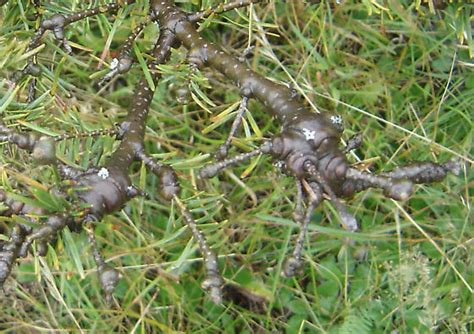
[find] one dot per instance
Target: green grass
(400, 73)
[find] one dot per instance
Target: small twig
(223, 149)
(213, 282)
(221, 8)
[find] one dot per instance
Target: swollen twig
(213, 282)
(308, 146)
(57, 24)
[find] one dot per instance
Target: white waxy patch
(103, 173)
(336, 119)
(279, 164)
(309, 134)
(114, 63)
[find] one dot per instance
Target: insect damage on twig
(307, 147)
(104, 189)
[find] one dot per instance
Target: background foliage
(400, 72)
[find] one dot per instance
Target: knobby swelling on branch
(308, 145)
(307, 149)
(104, 190)
(123, 63)
(57, 23)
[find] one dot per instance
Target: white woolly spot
(103, 173)
(129, 188)
(114, 63)
(279, 164)
(336, 119)
(309, 134)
